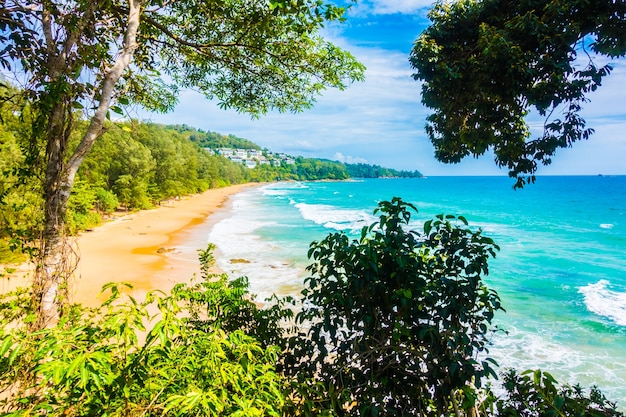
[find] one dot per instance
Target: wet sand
(151, 249)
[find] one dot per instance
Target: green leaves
(395, 317)
(124, 360)
(535, 392)
(485, 65)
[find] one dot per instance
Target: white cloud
(380, 7)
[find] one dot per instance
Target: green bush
(106, 201)
(395, 319)
(123, 360)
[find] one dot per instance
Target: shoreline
(151, 249)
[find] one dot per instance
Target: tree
(486, 64)
(395, 319)
(95, 56)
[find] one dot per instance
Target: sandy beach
(151, 249)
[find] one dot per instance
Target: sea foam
(605, 302)
(333, 217)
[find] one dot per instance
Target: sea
(560, 272)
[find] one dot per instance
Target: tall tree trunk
(56, 258)
(55, 264)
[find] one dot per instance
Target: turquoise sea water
(561, 270)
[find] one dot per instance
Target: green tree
(486, 64)
(21, 213)
(95, 56)
(395, 319)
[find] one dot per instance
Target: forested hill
(136, 165)
(376, 171)
(213, 140)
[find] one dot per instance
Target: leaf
(558, 402)
(6, 344)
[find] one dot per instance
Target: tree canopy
(397, 317)
(486, 64)
(99, 56)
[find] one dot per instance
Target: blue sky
(381, 121)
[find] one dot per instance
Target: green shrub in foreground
(170, 355)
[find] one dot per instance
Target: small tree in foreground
(396, 318)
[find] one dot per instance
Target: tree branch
(110, 79)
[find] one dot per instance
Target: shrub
(188, 359)
(395, 319)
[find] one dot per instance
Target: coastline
(150, 249)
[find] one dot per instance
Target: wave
(333, 217)
(280, 189)
(529, 349)
(606, 225)
(605, 302)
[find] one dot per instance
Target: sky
(381, 120)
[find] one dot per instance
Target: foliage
(361, 170)
(21, 214)
(80, 208)
(106, 201)
(395, 319)
(486, 64)
(317, 169)
(537, 393)
(86, 59)
(215, 140)
(195, 356)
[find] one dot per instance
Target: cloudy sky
(381, 121)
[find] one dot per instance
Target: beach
(150, 249)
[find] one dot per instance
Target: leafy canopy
(486, 64)
(396, 318)
(250, 55)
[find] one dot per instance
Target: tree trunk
(57, 259)
(55, 265)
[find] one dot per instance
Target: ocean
(561, 270)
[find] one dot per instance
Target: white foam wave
(274, 192)
(524, 349)
(235, 234)
(333, 217)
(606, 226)
(603, 301)
(242, 252)
(281, 188)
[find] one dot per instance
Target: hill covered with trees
(136, 165)
(376, 171)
